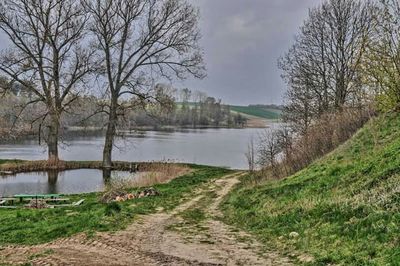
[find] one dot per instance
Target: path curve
(159, 239)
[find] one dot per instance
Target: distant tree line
(173, 108)
(344, 66)
(190, 109)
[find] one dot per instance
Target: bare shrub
(283, 152)
(159, 173)
(251, 155)
(325, 134)
(268, 150)
(151, 174)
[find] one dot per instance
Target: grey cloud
(242, 41)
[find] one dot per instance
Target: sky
(242, 41)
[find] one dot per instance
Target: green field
(261, 112)
(344, 209)
(258, 111)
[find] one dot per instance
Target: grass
(193, 216)
(24, 226)
(257, 111)
(345, 207)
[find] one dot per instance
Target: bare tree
(323, 69)
(46, 55)
(251, 155)
(140, 41)
(382, 64)
(268, 150)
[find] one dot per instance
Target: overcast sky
(242, 41)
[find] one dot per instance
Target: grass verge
(29, 227)
(342, 210)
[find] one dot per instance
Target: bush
(324, 135)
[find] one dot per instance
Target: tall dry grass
(159, 173)
(151, 174)
(298, 151)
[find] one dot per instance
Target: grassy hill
(253, 110)
(258, 111)
(344, 209)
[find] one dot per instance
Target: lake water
(68, 182)
(217, 147)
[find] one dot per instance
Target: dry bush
(323, 136)
(159, 173)
(269, 150)
(330, 131)
(115, 188)
(151, 174)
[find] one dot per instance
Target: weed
(112, 208)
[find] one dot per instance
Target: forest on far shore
(173, 108)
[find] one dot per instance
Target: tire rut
(150, 240)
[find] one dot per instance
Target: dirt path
(192, 234)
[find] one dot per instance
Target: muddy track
(159, 239)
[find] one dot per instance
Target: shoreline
(12, 167)
(96, 131)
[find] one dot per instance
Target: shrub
(298, 151)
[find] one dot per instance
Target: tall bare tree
(323, 69)
(46, 55)
(138, 42)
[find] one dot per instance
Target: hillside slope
(344, 209)
(266, 113)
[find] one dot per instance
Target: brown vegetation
(159, 173)
(36, 166)
(120, 188)
(283, 153)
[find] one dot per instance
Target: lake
(67, 182)
(216, 147)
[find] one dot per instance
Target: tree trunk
(52, 142)
(110, 133)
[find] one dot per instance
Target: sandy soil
(159, 239)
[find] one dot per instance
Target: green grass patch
(257, 111)
(345, 207)
(24, 226)
(193, 215)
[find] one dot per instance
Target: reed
(15, 166)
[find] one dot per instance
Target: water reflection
(52, 177)
(54, 182)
